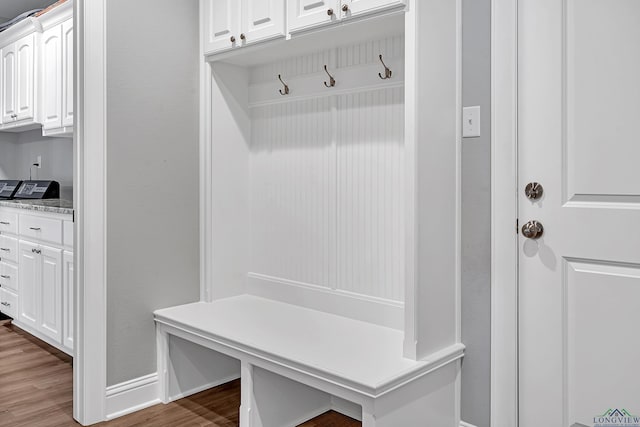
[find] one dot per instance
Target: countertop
(59, 206)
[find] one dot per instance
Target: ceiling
(9, 9)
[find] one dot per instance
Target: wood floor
(36, 391)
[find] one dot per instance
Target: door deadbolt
(533, 191)
(532, 230)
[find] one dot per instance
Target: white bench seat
(354, 360)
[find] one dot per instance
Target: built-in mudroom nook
(330, 208)
(36, 171)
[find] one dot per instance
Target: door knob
(345, 8)
(532, 230)
(533, 191)
(330, 12)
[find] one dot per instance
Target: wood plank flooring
(36, 391)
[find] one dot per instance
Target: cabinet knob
(243, 37)
(6, 277)
(6, 304)
(330, 12)
(233, 39)
(34, 228)
(345, 8)
(5, 249)
(4, 223)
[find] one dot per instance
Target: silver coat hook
(387, 71)
(286, 87)
(332, 81)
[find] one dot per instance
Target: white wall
(152, 174)
(19, 151)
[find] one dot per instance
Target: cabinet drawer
(8, 303)
(8, 222)
(8, 249)
(8, 276)
(38, 228)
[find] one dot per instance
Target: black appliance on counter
(8, 188)
(38, 190)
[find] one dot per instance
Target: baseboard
(463, 424)
(203, 387)
(344, 407)
(131, 396)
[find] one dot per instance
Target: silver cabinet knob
(532, 230)
(533, 191)
(330, 12)
(233, 39)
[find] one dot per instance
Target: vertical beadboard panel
(291, 191)
(370, 194)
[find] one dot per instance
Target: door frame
(504, 213)
(90, 330)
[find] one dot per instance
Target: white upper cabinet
(52, 78)
(262, 20)
(305, 14)
(361, 7)
(8, 71)
(25, 73)
(221, 24)
(67, 73)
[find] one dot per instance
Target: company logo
(616, 418)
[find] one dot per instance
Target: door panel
(67, 73)
(262, 19)
(8, 84)
(29, 301)
(25, 73)
(580, 282)
(305, 14)
(221, 22)
(360, 7)
(51, 293)
(52, 78)
(68, 300)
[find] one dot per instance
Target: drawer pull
(35, 228)
(4, 223)
(5, 249)
(36, 251)
(6, 304)
(5, 277)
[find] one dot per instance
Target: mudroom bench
(296, 363)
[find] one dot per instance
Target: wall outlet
(471, 122)
(39, 161)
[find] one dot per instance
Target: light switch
(471, 122)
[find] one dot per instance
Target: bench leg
(162, 347)
(247, 401)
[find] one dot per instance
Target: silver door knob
(532, 230)
(533, 191)
(330, 12)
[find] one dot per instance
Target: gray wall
(476, 215)
(19, 151)
(152, 174)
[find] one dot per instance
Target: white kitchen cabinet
(19, 83)
(230, 23)
(360, 7)
(67, 299)
(67, 74)
(305, 14)
(8, 70)
(41, 288)
(52, 78)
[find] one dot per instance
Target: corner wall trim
(131, 396)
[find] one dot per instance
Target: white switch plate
(471, 122)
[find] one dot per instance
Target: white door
(25, 77)
(262, 20)
(67, 300)
(221, 24)
(360, 7)
(51, 292)
(579, 283)
(8, 84)
(67, 73)
(305, 14)
(29, 302)
(52, 78)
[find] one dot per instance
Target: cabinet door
(262, 19)
(67, 73)
(221, 24)
(360, 7)
(8, 70)
(29, 301)
(25, 73)
(305, 14)
(67, 300)
(51, 293)
(52, 78)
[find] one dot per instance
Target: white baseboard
(463, 424)
(203, 387)
(131, 396)
(344, 407)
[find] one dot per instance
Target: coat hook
(286, 86)
(387, 71)
(332, 81)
